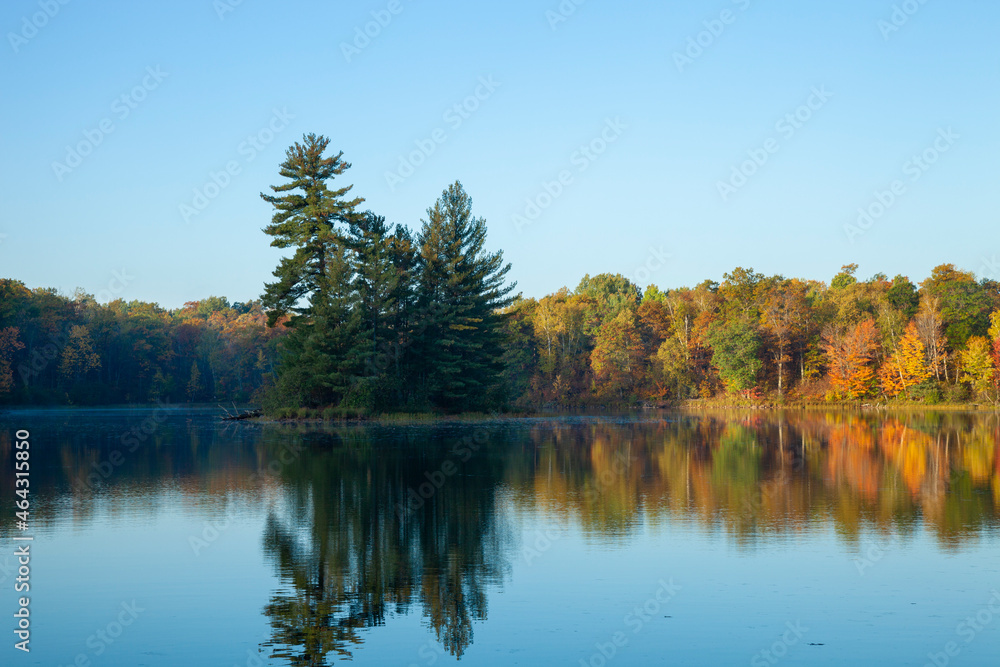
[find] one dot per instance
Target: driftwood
(237, 415)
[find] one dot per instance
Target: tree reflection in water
(351, 552)
(350, 557)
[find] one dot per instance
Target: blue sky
(200, 78)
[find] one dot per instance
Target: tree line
(56, 349)
(366, 315)
(754, 336)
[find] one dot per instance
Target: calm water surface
(169, 538)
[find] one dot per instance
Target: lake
(166, 537)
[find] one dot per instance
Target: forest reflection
(354, 545)
(367, 523)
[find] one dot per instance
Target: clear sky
(159, 96)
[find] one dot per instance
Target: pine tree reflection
(351, 554)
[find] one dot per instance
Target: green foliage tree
(736, 348)
(609, 294)
(845, 278)
(903, 296)
(965, 305)
(324, 354)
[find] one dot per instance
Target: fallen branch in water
(246, 414)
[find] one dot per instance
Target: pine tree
(376, 281)
(460, 293)
(404, 262)
(322, 355)
(307, 219)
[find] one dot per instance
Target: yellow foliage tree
(78, 357)
(907, 366)
(978, 368)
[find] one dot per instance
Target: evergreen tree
(403, 251)
(306, 219)
(460, 294)
(315, 285)
(375, 280)
(324, 354)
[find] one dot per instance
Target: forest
(369, 317)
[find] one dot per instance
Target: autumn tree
(978, 368)
(929, 327)
(783, 312)
(9, 343)
(980, 361)
(195, 387)
(994, 337)
(741, 293)
(560, 323)
(673, 363)
(674, 367)
(78, 356)
(618, 354)
(907, 366)
(850, 354)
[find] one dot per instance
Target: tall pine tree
(309, 218)
(460, 293)
(314, 286)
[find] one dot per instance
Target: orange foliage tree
(850, 355)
